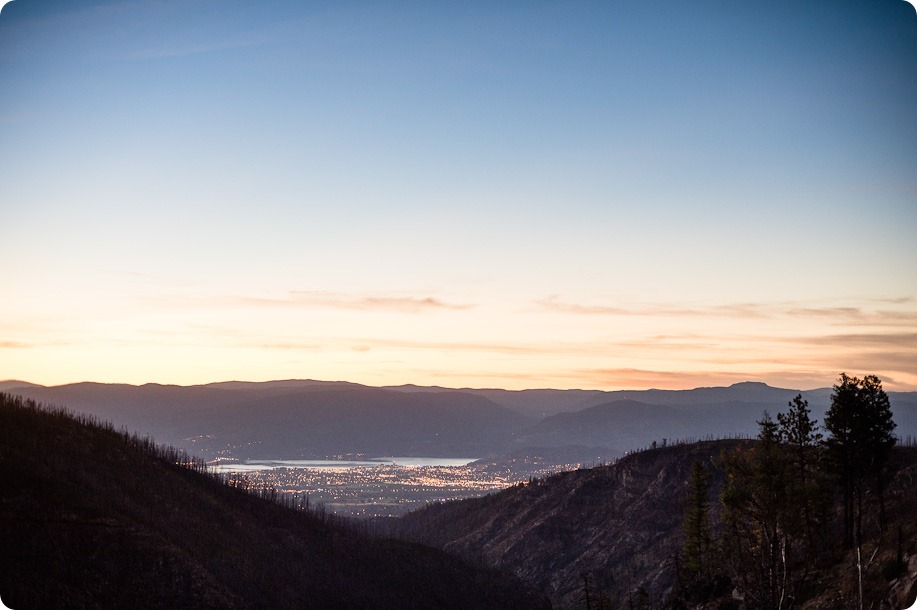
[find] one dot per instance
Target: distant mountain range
(315, 419)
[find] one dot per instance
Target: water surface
(407, 462)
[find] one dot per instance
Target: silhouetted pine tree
(696, 526)
(861, 439)
(799, 435)
(765, 527)
(860, 425)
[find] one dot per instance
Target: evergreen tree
(798, 432)
(861, 439)
(860, 426)
(768, 431)
(696, 524)
(587, 598)
(797, 429)
(763, 533)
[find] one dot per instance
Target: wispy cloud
(638, 379)
(14, 345)
(33, 344)
(895, 300)
(853, 315)
(675, 343)
(685, 361)
(460, 346)
(361, 302)
(837, 315)
(289, 345)
(370, 344)
(903, 341)
(401, 303)
(643, 378)
(743, 310)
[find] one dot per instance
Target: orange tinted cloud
(14, 345)
(675, 380)
(839, 315)
(358, 301)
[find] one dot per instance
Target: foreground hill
(619, 524)
(620, 527)
(91, 518)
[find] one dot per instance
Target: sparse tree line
(797, 500)
(180, 459)
(96, 517)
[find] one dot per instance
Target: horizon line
(415, 385)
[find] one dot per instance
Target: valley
(387, 489)
(552, 522)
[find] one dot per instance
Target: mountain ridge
(493, 421)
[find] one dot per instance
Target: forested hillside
(803, 516)
(94, 518)
(619, 525)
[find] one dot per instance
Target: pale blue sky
(513, 194)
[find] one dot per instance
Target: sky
(615, 195)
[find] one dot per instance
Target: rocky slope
(618, 527)
(617, 524)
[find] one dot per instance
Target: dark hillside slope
(166, 412)
(619, 524)
(90, 518)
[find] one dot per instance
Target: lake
(407, 462)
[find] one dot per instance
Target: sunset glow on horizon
(584, 195)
